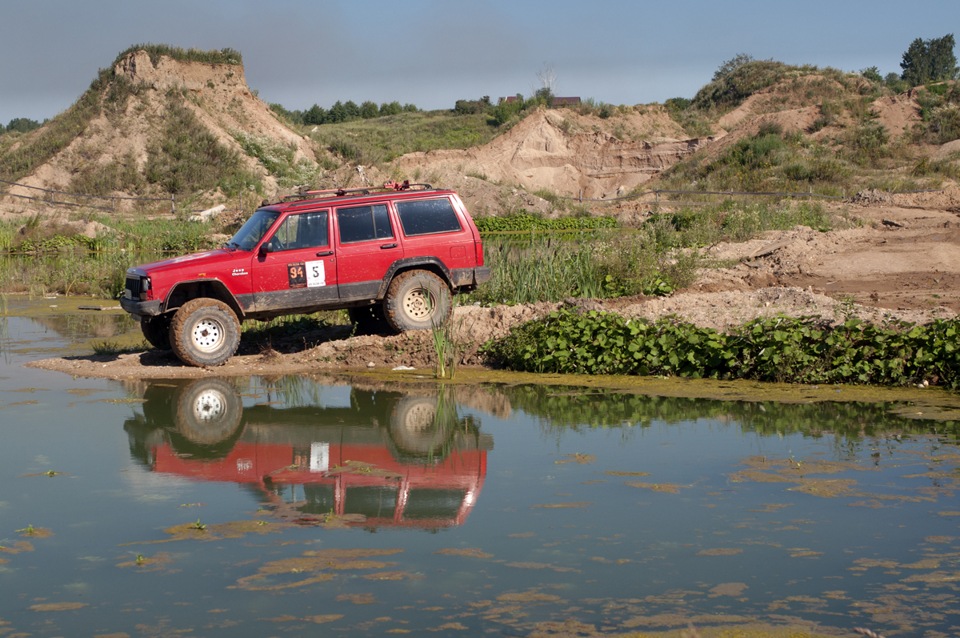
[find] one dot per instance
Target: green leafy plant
(777, 349)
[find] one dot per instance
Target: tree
(928, 61)
(466, 107)
(337, 112)
(731, 65)
(21, 125)
(873, 74)
(390, 108)
(369, 110)
(315, 115)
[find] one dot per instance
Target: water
(297, 506)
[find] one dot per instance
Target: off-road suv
(391, 256)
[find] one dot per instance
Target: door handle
(324, 253)
(386, 246)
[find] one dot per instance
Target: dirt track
(899, 261)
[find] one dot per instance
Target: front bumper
(141, 308)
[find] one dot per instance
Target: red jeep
(389, 459)
(391, 256)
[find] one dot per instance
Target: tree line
(343, 112)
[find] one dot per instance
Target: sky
(431, 53)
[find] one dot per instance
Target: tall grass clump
(189, 159)
(730, 220)
(66, 272)
(156, 51)
(445, 345)
(278, 159)
(550, 267)
(940, 114)
(382, 139)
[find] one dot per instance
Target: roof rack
(305, 193)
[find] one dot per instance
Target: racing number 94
(310, 274)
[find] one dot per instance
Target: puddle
(371, 507)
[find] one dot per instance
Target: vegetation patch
(525, 222)
(188, 158)
(777, 349)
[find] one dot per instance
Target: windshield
(253, 230)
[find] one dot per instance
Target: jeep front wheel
(204, 332)
(417, 300)
(208, 411)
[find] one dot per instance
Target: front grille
(133, 287)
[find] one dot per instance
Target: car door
(366, 247)
(295, 268)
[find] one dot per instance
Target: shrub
(777, 349)
(868, 143)
(737, 80)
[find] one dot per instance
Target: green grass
(188, 159)
(383, 139)
(553, 267)
(279, 160)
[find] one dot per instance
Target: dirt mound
(564, 152)
(216, 94)
(897, 113)
(787, 103)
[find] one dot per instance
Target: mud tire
(417, 300)
(156, 330)
(204, 333)
(208, 411)
(416, 428)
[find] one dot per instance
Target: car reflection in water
(388, 460)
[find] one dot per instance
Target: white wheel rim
(208, 335)
(420, 418)
(418, 304)
(210, 405)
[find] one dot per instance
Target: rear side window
(427, 216)
(364, 223)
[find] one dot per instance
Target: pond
(327, 505)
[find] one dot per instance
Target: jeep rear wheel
(156, 330)
(417, 300)
(204, 332)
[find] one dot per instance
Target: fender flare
(423, 263)
(213, 288)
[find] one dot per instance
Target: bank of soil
(897, 261)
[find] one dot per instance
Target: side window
(427, 216)
(312, 231)
(364, 223)
(306, 230)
